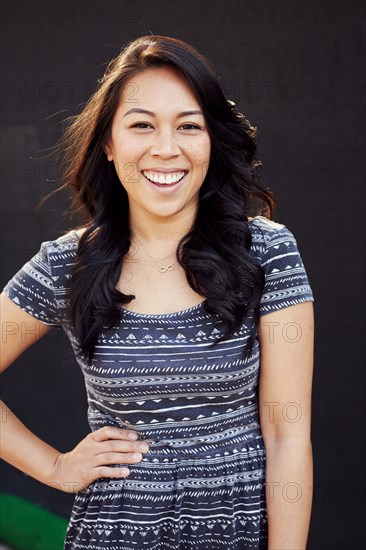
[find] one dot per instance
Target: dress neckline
(182, 312)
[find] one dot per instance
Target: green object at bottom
(27, 526)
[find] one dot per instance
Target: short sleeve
(286, 280)
(32, 288)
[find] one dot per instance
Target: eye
(194, 126)
(140, 124)
(144, 124)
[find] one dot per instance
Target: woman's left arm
(286, 340)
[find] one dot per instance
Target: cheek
(128, 175)
(126, 161)
(199, 151)
(202, 151)
(200, 158)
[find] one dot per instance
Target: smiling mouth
(167, 182)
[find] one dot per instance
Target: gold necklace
(162, 268)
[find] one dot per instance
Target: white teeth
(160, 178)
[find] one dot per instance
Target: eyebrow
(184, 113)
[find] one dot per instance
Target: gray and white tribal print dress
(202, 484)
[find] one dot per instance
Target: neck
(158, 232)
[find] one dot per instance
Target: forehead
(154, 87)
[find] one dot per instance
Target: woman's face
(160, 144)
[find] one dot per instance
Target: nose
(165, 144)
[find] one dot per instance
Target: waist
(180, 427)
(239, 439)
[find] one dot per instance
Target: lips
(165, 188)
(165, 170)
(156, 175)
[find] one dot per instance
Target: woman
(177, 293)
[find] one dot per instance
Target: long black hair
(215, 252)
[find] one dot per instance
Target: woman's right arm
(22, 449)
(90, 459)
(19, 446)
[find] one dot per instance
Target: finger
(118, 446)
(117, 458)
(105, 471)
(112, 432)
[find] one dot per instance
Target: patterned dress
(202, 484)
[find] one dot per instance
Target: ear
(108, 151)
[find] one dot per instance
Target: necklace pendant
(169, 267)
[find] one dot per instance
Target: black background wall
(295, 68)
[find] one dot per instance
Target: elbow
(274, 441)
